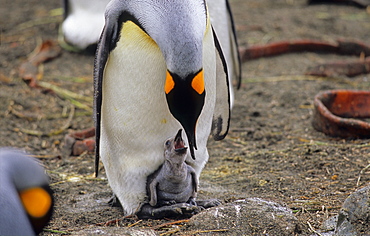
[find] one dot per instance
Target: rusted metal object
(347, 68)
(358, 3)
(338, 113)
(282, 47)
(343, 47)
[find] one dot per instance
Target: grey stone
(354, 217)
(110, 231)
(248, 216)
(330, 224)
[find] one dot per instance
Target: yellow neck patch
(37, 201)
(133, 33)
(169, 84)
(198, 82)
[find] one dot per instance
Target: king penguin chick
(159, 67)
(82, 25)
(172, 188)
(26, 199)
(175, 181)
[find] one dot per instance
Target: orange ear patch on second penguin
(169, 84)
(36, 201)
(198, 82)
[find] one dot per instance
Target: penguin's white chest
(135, 116)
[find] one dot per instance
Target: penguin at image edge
(82, 24)
(26, 200)
(158, 68)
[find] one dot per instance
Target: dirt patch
(272, 151)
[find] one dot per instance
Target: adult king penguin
(26, 200)
(159, 68)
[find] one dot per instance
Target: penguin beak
(179, 143)
(185, 99)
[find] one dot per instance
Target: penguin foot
(166, 203)
(192, 201)
(179, 210)
(208, 203)
(114, 202)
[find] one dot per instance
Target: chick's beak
(179, 143)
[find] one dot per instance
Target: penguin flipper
(106, 44)
(221, 116)
(237, 65)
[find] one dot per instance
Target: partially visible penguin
(26, 200)
(159, 68)
(82, 25)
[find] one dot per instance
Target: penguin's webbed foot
(208, 203)
(167, 203)
(178, 210)
(192, 201)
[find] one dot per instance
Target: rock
(247, 217)
(354, 217)
(330, 224)
(110, 231)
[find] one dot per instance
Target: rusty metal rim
(327, 122)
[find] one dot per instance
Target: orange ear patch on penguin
(169, 84)
(37, 201)
(198, 82)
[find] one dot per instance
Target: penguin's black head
(185, 99)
